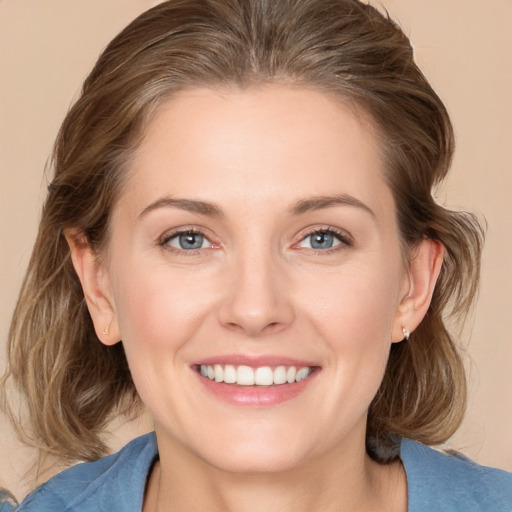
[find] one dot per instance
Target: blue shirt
(436, 483)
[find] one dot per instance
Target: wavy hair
(73, 385)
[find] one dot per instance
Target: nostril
(256, 329)
(275, 326)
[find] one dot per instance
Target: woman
(241, 236)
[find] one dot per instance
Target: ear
(424, 269)
(96, 286)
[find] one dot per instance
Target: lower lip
(256, 396)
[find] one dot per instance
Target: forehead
(257, 145)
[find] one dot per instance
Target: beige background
(464, 48)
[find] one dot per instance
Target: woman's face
(256, 239)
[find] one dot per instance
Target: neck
(337, 482)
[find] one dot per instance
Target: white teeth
(229, 374)
(245, 376)
(302, 374)
(264, 376)
(261, 376)
(290, 374)
(280, 375)
(218, 371)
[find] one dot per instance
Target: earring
(407, 333)
(106, 331)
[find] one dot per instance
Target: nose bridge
(257, 301)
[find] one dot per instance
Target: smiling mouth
(242, 375)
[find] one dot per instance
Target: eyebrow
(319, 202)
(189, 205)
(299, 207)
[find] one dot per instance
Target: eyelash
(343, 237)
(164, 241)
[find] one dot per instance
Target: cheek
(358, 300)
(354, 315)
(159, 312)
(159, 309)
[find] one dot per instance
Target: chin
(258, 449)
(249, 461)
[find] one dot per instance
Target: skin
(257, 287)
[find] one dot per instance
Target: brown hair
(72, 383)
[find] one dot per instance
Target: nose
(257, 301)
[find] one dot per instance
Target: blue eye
(188, 241)
(321, 240)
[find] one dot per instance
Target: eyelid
(343, 236)
(163, 240)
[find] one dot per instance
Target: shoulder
(441, 482)
(112, 483)
(8, 502)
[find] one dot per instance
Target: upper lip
(255, 361)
